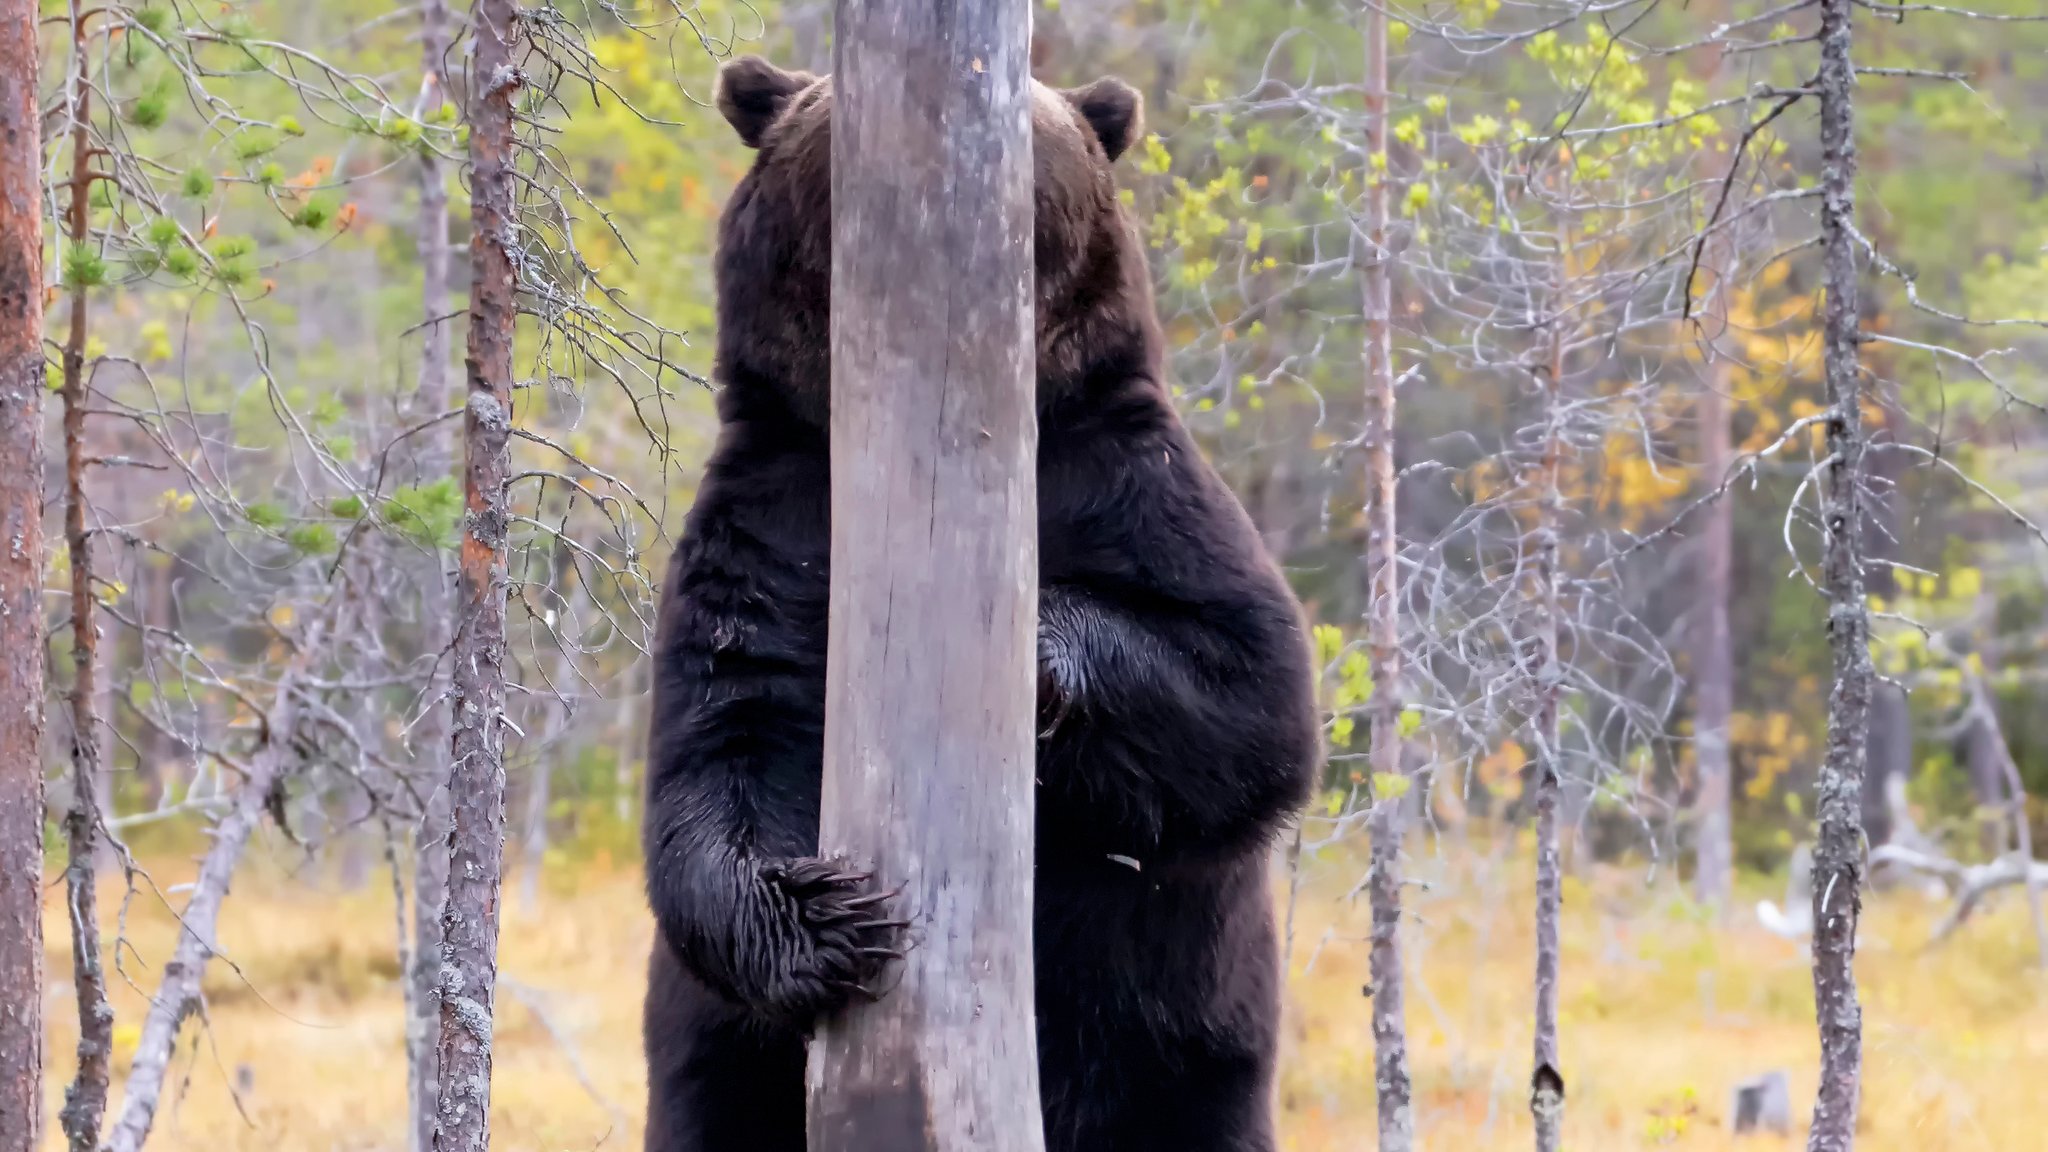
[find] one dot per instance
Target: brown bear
(1179, 727)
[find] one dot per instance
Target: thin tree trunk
(535, 838)
(430, 841)
(1714, 653)
(631, 738)
(1984, 755)
(85, 1102)
(1546, 1084)
(1391, 1083)
(560, 712)
(21, 584)
(1888, 754)
(1985, 706)
(177, 994)
(469, 924)
(929, 767)
(1837, 857)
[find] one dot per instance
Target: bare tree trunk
(1391, 1083)
(535, 839)
(430, 841)
(21, 584)
(929, 767)
(1984, 755)
(631, 736)
(1546, 1084)
(1888, 755)
(1714, 653)
(177, 994)
(469, 923)
(1985, 707)
(85, 1102)
(1837, 857)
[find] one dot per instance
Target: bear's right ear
(1114, 110)
(752, 93)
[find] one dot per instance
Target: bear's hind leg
(716, 1080)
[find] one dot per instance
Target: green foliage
(317, 212)
(181, 262)
(150, 111)
(255, 142)
(197, 184)
(84, 267)
(265, 515)
(427, 514)
(313, 539)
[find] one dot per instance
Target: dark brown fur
(1175, 683)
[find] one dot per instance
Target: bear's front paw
(845, 937)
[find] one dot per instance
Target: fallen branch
(1969, 883)
(177, 996)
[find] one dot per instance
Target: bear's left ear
(1114, 109)
(752, 93)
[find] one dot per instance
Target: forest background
(1598, 290)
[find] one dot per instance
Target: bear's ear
(752, 93)
(1114, 109)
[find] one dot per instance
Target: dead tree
(85, 1102)
(1391, 1082)
(430, 839)
(476, 778)
(1837, 856)
(1713, 668)
(1546, 1084)
(929, 748)
(21, 584)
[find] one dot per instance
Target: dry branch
(178, 993)
(1969, 883)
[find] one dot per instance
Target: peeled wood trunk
(929, 738)
(21, 584)
(1837, 857)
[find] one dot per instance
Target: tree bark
(469, 923)
(1391, 1082)
(21, 584)
(1546, 1084)
(1714, 652)
(430, 840)
(931, 653)
(1837, 862)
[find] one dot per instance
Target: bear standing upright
(1178, 714)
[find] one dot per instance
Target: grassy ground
(1661, 1014)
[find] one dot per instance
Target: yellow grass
(1661, 1014)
